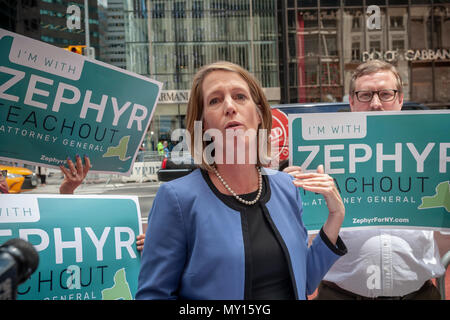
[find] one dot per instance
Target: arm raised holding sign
(74, 175)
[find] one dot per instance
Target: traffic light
(75, 49)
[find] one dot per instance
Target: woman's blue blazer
(195, 246)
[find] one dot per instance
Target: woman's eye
(241, 96)
(213, 101)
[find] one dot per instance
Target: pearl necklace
(249, 203)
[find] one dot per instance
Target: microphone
(18, 260)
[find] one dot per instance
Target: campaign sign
(86, 244)
(56, 104)
(392, 168)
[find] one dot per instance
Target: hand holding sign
(74, 175)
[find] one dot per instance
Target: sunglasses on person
(385, 95)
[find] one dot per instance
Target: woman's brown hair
(195, 106)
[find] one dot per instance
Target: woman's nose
(230, 106)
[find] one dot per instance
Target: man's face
(382, 80)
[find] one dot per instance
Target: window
(442, 82)
(420, 28)
(396, 22)
(356, 23)
(223, 53)
(158, 11)
(197, 9)
(198, 34)
(328, 19)
(441, 28)
(422, 85)
(398, 44)
(311, 45)
(356, 51)
(310, 19)
(179, 10)
(375, 45)
(182, 60)
(329, 46)
(180, 34)
(199, 57)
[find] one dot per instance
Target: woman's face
(228, 105)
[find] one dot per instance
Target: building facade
(323, 41)
(46, 20)
(169, 40)
(300, 50)
(113, 50)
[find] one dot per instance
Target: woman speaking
(232, 229)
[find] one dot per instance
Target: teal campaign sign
(56, 104)
(86, 244)
(391, 168)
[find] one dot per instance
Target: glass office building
(323, 41)
(169, 40)
(46, 20)
(300, 50)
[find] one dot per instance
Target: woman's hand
(140, 241)
(322, 183)
(293, 170)
(74, 174)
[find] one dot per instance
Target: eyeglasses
(384, 95)
(3, 174)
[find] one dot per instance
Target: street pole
(86, 23)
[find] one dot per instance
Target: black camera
(18, 260)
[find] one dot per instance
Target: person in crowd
(4, 188)
(381, 263)
(42, 174)
(160, 148)
(166, 149)
(233, 229)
